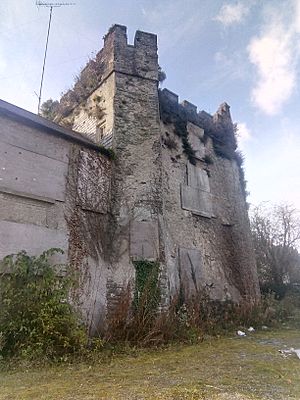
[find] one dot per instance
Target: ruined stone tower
(172, 196)
(176, 192)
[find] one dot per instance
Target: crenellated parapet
(139, 60)
(218, 126)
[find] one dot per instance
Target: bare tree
(276, 236)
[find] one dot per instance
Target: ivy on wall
(147, 292)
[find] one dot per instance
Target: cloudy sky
(245, 52)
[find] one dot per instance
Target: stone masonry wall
(174, 193)
(206, 226)
(128, 88)
(176, 188)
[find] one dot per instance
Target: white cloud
(268, 180)
(275, 54)
(243, 134)
(296, 6)
(172, 22)
(230, 66)
(230, 14)
(3, 63)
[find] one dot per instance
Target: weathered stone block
(190, 107)
(23, 210)
(195, 136)
(196, 200)
(144, 240)
(197, 177)
(190, 271)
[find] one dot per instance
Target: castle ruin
(140, 177)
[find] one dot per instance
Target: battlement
(218, 126)
(189, 110)
(139, 59)
(185, 107)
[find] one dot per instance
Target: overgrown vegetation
(162, 76)
(221, 130)
(36, 318)
(190, 321)
(239, 158)
(172, 114)
(181, 131)
(109, 153)
(170, 142)
(38, 323)
(49, 109)
(208, 160)
(131, 320)
(224, 139)
(85, 83)
(147, 291)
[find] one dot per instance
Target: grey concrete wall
(33, 172)
(55, 193)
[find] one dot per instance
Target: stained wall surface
(33, 175)
(172, 194)
(53, 192)
(206, 228)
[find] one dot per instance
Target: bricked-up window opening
(147, 292)
(100, 131)
(195, 193)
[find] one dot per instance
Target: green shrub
(208, 159)
(109, 153)
(36, 319)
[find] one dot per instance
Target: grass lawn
(229, 368)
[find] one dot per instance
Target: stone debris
(289, 352)
(297, 352)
